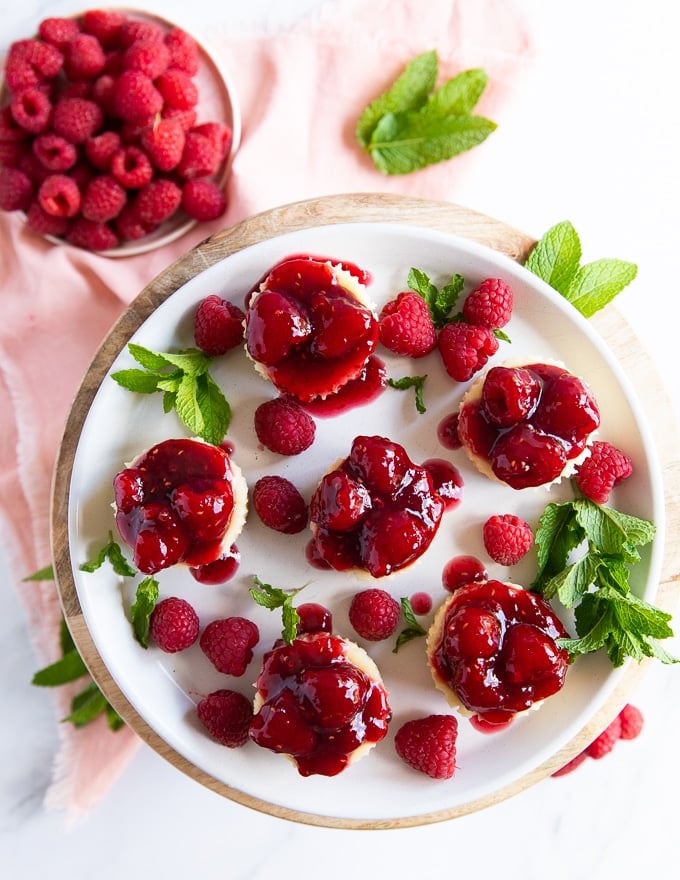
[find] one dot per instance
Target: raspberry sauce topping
(377, 510)
(318, 705)
(176, 503)
(493, 644)
(307, 330)
(528, 423)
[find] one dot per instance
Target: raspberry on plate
(226, 715)
(173, 625)
(429, 745)
(490, 304)
(507, 538)
(280, 505)
(604, 468)
(228, 643)
(284, 427)
(218, 325)
(374, 614)
(465, 349)
(406, 326)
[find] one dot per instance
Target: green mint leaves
(140, 611)
(556, 258)
(274, 597)
(114, 554)
(440, 302)
(415, 382)
(413, 628)
(597, 584)
(412, 125)
(186, 385)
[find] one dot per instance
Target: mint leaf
(274, 597)
(413, 630)
(68, 668)
(86, 706)
(149, 359)
(556, 256)
(43, 574)
(139, 381)
(140, 611)
(214, 408)
(440, 302)
(557, 534)
(408, 92)
(114, 554)
(458, 96)
(415, 382)
(596, 284)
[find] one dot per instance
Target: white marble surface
(593, 138)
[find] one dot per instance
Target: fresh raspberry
(429, 745)
(507, 538)
(81, 174)
(490, 304)
(58, 31)
(178, 89)
(33, 168)
(164, 143)
(32, 110)
(103, 199)
(284, 427)
(129, 226)
(76, 119)
(136, 97)
(604, 468)
(91, 236)
(199, 157)
(104, 24)
(218, 325)
(570, 766)
(103, 93)
(9, 130)
(54, 152)
(280, 505)
(183, 49)
(151, 57)
(10, 152)
(131, 167)
(30, 62)
(76, 89)
(173, 625)
(158, 201)
(228, 643)
(605, 742)
(374, 614)
(133, 30)
(465, 349)
(16, 190)
(101, 149)
(406, 327)
(203, 200)
(631, 722)
(42, 223)
(226, 715)
(186, 118)
(219, 134)
(59, 195)
(84, 57)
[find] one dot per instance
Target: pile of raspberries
(100, 141)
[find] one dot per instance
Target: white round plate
(163, 689)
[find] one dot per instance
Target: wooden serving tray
(361, 207)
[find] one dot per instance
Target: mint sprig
(589, 287)
(603, 543)
(413, 628)
(440, 301)
(415, 382)
(274, 597)
(187, 387)
(111, 551)
(141, 609)
(411, 125)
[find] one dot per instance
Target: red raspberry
(218, 325)
(228, 643)
(284, 427)
(58, 31)
(631, 722)
(199, 157)
(186, 118)
(183, 49)
(605, 467)
(129, 226)
(151, 57)
(131, 167)
(374, 614)
(33, 168)
(406, 327)
(42, 223)
(103, 199)
(490, 304)
(76, 119)
(203, 200)
(421, 603)
(226, 716)
(104, 24)
(606, 741)
(32, 110)
(158, 201)
(54, 152)
(84, 57)
(77, 89)
(570, 766)
(10, 152)
(135, 97)
(178, 89)
(16, 190)
(91, 236)
(173, 625)
(133, 30)
(101, 149)
(218, 133)
(9, 130)
(59, 195)
(280, 505)
(103, 93)
(30, 62)
(164, 143)
(429, 745)
(507, 538)
(465, 349)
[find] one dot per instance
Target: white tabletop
(593, 137)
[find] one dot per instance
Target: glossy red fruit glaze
(309, 332)
(528, 436)
(497, 649)
(485, 725)
(421, 603)
(317, 705)
(367, 386)
(447, 432)
(447, 480)
(393, 513)
(220, 570)
(462, 570)
(174, 504)
(314, 618)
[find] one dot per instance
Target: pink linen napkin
(300, 92)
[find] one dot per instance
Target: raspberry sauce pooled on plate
(309, 328)
(527, 426)
(320, 701)
(492, 650)
(181, 501)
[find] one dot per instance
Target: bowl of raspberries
(117, 130)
